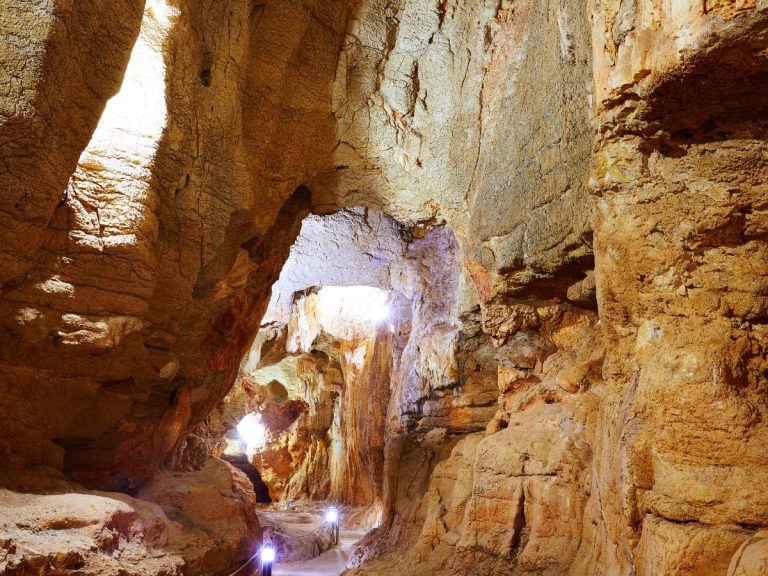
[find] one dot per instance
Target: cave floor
(330, 563)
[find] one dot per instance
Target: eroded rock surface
(563, 200)
(297, 536)
(184, 523)
(679, 231)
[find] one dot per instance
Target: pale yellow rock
(751, 559)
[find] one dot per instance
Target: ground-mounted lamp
(332, 517)
(267, 557)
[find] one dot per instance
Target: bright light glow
(252, 431)
(112, 182)
(332, 515)
(344, 312)
(161, 11)
(267, 554)
(134, 119)
(233, 447)
(364, 304)
(361, 303)
(379, 311)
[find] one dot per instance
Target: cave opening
(295, 395)
(357, 344)
(199, 357)
(309, 413)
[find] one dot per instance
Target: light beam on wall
(134, 119)
(344, 312)
(111, 197)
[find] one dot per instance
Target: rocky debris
(85, 533)
(196, 523)
(297, 535)
(215, 504)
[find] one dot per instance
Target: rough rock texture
(321, 403)
(548, 402)
(509, 500)
(58, 72)
(154, 268)
(331, 384)
(150, 279)
(198, 523)
(680, 170)
(752, 558)
(445, 377)
(297, 535)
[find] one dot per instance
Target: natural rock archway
(562, 201)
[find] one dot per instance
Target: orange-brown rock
(561, 202)
(678, 234)
(196, 523)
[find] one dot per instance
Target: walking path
(329, 563)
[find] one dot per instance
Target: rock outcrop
(181, 523)
(297, 536)
(679, 229)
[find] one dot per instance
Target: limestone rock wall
(578, 187)
(445, 376)
(155, 263)
(662, 486)
(679, 170)
(58, 73)
(496, 500)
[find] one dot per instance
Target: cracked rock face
(679, 231)
(563, 203)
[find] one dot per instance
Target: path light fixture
(267, 555)
(332, 517)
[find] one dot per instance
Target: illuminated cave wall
(577, 188)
